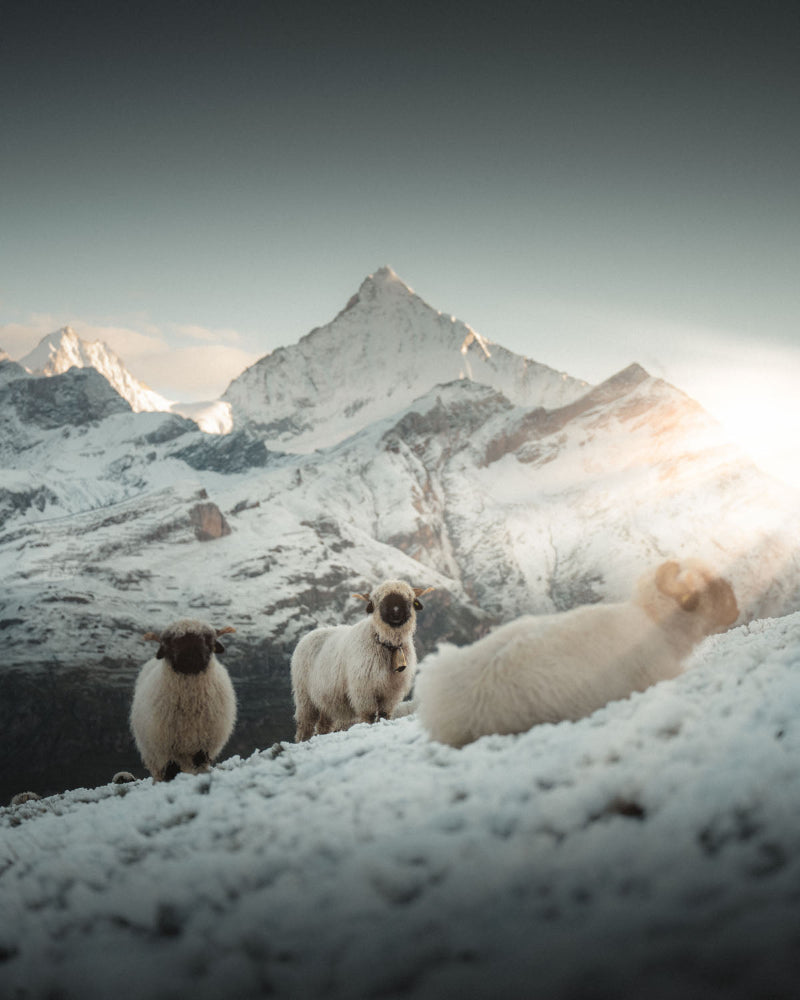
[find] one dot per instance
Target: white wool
(342, 674)
(550, 668)
(176, 717)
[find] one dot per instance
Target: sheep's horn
(668, 583)
(421, 591)
(152, 635)
(225, 631)
(666, 577)
(361, 597)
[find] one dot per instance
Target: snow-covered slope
(650, 850)
(386, 348)
(64, 349)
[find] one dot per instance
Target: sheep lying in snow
(184, 705)
(564, 666)
(344, 674)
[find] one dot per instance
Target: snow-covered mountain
(651, 850)
(64, 349)
(505, 502)
(385, 348)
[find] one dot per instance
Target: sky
(586, 183)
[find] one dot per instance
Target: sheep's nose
(394, 612)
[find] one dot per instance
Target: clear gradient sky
(589, 184)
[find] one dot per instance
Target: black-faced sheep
(184, 705)
(344, 674)
(550, 668)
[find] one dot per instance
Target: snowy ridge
(651, 849)
(315, 393)
(60, 351)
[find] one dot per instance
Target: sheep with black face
(551, 668)
(184, 705)
(343, 674)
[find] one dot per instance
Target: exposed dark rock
(14, 502)
(227, 453)
(78, 397)
(208, 521)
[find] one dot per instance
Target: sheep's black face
(190, 653)
(395, 609)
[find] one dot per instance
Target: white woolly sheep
(344, 674)
(184, 705)
(549, 668)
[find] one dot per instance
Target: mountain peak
(64, 349)
(386, 348)
(382, 283)
(383, 276)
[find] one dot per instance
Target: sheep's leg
(324, 724)
(307, 717)
(374, 714)
(172, 769)
(201, 760)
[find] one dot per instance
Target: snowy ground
(650, 850)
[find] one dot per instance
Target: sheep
(564, 666)
(184, 705)
(22, 797)
(343, 674)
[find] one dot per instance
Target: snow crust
(652, 849)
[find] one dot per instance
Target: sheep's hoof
(171, 770)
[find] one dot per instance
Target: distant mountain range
(64, 349)
(392, 442)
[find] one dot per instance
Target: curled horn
(668, 582)
(225, 631)
(420, 591)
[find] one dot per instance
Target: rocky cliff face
(116, 523)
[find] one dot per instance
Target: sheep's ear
(365, 597)
(669, 582)
(226, 631)
(155, 637)
(421, 591)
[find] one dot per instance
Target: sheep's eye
(418, 605)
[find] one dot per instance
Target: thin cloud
(210, 335)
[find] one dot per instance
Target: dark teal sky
(586, 183)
